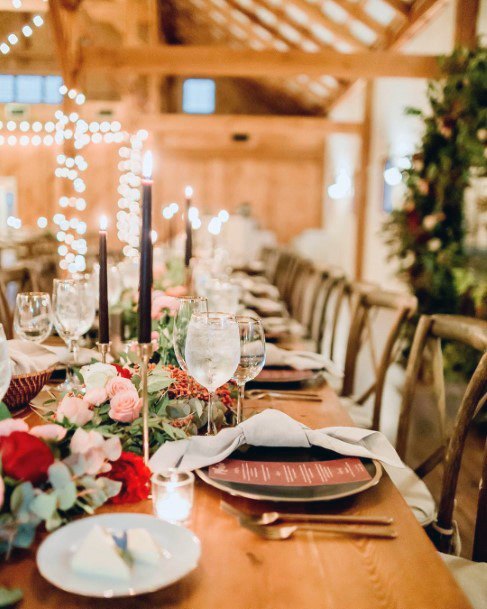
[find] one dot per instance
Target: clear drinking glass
(212, 353)
(187, 306)
(223, 296)
(33, 316)
(252, 356)
(74, 307)
(5, 367)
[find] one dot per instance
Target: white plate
(181, 553)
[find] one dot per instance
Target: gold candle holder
(146, 350)
(104, 349)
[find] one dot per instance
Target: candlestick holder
(104, 349)
(145, 350)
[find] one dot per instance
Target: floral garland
(427, 234)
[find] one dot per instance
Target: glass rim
(167, 476)
(33, 294)
(248, 318)
(214, 314)
(192, 298)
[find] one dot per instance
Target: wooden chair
(13, 280)
(430, 333)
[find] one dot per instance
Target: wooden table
(241, 571)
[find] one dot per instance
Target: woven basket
(24, 387)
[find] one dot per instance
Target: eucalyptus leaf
(4, 412)
(44, 505)
(10, 596)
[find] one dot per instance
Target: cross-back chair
(430, 333)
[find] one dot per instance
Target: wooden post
(467, 12)
(362, 186)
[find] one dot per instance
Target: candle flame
(147, 165)
(103, 223)
(188, 192)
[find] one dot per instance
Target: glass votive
(172, 495)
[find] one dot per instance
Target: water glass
(33, 316)
(5, 367)
(212, 353)
(172, 495)
(252, 356)
(187, 306)
(223, 296)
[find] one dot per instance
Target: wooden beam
(242, 123)
(223, 61)
(420, 13)
(362, 186)
(28, 6)
(399, 6)
(467, 12)
(357, 12)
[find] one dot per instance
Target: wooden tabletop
(241, 571)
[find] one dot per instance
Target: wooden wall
(280, 176)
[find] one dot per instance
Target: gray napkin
(272, 428)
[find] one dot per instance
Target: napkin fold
(284, 324)
(300, 360)
(266, 305)
(27, 357)
(272, 428)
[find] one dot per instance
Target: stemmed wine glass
(212, 353)
(252, 356)
(5, 367)
(74, 308)
(33, 316)
(187, 306)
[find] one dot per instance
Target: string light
(26, 31)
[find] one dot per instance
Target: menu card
(276, 473)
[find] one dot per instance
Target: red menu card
(275, 473)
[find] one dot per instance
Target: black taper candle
(188, 253)
(145, 281)
(103, 330)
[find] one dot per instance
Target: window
(199, 96)
(30, 89)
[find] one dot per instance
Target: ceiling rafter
(401, 7)
(358, 13)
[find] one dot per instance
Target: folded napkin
(299, 360)
(272, 428)
(263, 304)
(258, 288)
(27, 357)
(284, 324)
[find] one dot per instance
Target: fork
(285, 396)
(267, 518)
(278, 533)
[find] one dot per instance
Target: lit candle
(103, 331)
(173, 507)
(188, 254)
(172, 495)
(145, 282)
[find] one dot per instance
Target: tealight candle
(172, 495)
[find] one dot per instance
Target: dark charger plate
(325, 492)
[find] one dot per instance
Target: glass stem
(240, 402)
(209, 429)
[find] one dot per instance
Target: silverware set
(258, 394)
(264, 525)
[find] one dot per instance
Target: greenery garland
(427, 234)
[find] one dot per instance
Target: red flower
(123, 372)
(25, 457)
(134, 475)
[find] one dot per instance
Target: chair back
(431, 331)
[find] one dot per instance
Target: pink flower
(2, 491)
(50, 432)
(93, 451)
(125, 406)
(161, 301)
(177, 291)
(7, 426)
(154, 335)
(423, 186)
(119, 384)
(96, 396)
(75, 410)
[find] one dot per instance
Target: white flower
(482, 134)
(409, 259)
(429, 222)
(97, 375)
(434, 244)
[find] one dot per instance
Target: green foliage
(10, 596)
(426, 236)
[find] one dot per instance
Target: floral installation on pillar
(426, 236)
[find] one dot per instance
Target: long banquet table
(310, 571)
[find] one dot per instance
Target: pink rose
(161, 301)
(7, 426)
(75, 410)
(96, 396)
(119, 384)
(125, 406)
(177, 291)
(92, 451)
(154, 335)
(49, 432)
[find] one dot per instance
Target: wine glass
(33, 316)
(212, 353)
(223, 296)
(74, 307)
(252, 356)
(187, 306)
(5, 367)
